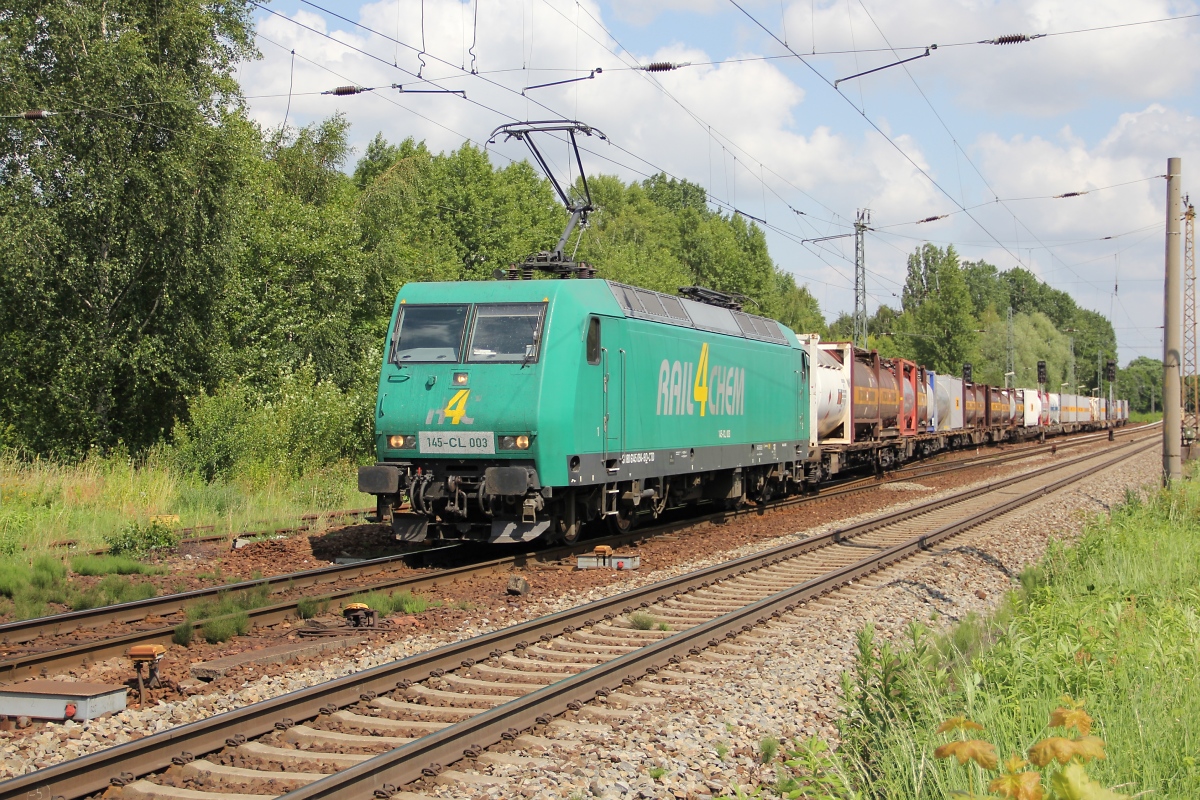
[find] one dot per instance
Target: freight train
(519, 410)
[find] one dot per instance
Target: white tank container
(949, 394)
(833, 393)
(1031, 407)
(1055, 409)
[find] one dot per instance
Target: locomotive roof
(630, 301)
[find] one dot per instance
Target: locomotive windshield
(428, 333)
(507, 332)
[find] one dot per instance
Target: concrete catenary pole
(1172, 331)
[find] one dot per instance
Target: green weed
(183, 633)
(111, 565)
(309, 607)
(642, 621)
(221, 629)
(722, 750)
(231, 603)
(404, 602)
(768, 748)
(656, 773)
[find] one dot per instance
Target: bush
(299, 427)
(183, 633)
(138, 541)
(221, 629)
(111, 565)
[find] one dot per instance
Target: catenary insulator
(343, 90)
(37, 113)
(1015, 38)
(664, 66)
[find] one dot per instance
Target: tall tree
(121, 211)
(937, 300)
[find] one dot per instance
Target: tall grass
(43, 502)
(1114, 620)
(244, 459)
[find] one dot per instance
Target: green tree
(987, 288)
(298, 292)
(797, 308)
(938, 302)
(1141, 382)
(120, 212)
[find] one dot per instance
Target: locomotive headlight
(514, 442)
(402, 442)
(522, 442)
(460, 379)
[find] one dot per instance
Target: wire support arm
(595, 72)
(928, 52)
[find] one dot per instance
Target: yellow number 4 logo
(700, 387)
(457, 407)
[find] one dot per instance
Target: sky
(769, 120)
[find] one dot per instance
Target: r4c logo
(455, 410)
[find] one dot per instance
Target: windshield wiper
(531, 350)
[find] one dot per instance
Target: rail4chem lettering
(685, 387)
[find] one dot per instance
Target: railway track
(366, 734)
(152, 626)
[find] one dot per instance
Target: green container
(510, 410)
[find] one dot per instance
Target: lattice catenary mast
(860, 277)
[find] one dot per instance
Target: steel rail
(92, 773)
(84, 654)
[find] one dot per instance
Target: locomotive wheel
(623, 521)
(566, 534)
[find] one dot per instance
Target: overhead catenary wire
(878, 130)
(657, 169)
(725, 204)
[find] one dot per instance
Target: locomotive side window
(428, 333)
(593, 340)
(507, 332)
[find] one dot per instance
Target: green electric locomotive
(515, 410)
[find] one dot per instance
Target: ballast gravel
(787, 689)
(791, 686)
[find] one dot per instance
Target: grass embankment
(1141, 417)
(1113, 620)
(43, 502)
